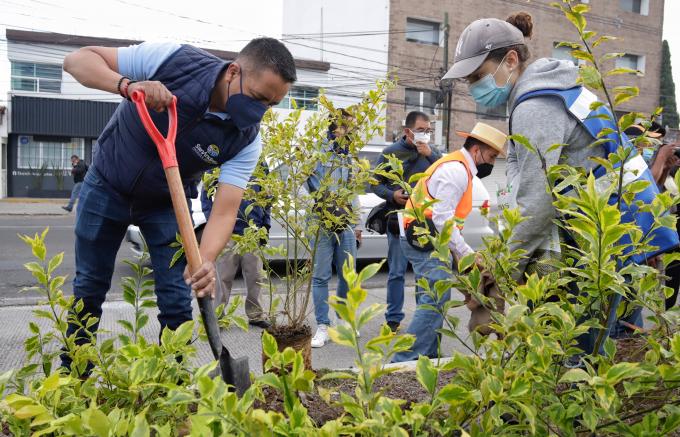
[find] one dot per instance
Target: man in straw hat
(449, 183)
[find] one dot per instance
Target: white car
(374, 246)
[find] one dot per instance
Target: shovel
(235, 372)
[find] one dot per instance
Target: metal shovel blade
(234, 371)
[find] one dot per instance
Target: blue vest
(128, 160)
(577, 100)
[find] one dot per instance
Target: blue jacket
(259, 215)
(126, 157)
(412, 162)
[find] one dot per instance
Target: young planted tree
(292, 151)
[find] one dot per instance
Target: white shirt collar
(470, 160)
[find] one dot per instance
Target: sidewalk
(30, 206)
(15, 319)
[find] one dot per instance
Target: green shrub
(512, 384)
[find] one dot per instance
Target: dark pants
(102, 220)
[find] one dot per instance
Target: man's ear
(232, 71)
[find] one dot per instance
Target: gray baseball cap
(477, 40)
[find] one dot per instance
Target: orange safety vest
(421, 194)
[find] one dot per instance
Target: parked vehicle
(374, 246)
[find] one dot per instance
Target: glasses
(423, 131)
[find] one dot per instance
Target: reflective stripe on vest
(421, 193)
(578, 101)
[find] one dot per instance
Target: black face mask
(484, 169)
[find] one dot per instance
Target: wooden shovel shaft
(190, 244)
(186, 226)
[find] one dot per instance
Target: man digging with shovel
(219, 108)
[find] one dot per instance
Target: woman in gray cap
(548, 107)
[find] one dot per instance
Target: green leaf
(621, 70)
(520, 387)
(453, 394)
(141, 426)
(426, 374)
(577, 19)
(269, 346)
(621, 371)
(466, 262)
(28, 411)
(575, 375)
(524, 141)
(590, 77)
(177, 256)
(603, 39)
(369, 271)
(55, 262)
(97, 421)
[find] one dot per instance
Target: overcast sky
(226, 24)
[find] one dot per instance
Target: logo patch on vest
(207, 155)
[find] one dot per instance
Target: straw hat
(488, 135)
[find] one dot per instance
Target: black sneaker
(66, 208)
(262, 323)
(394, 326)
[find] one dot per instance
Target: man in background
(78, 170)
(416, 154)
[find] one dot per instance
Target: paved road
(15, 253)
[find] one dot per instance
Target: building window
(420, 100)
(636, 6)
(634, 62)
(42, 78)
(499, 112)
(305, 98)
(563, 53)
(50, 152)
(425, 32)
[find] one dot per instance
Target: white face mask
(421, 137)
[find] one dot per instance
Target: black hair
(469, 142)
(269, 53)
(74, 156)
(524, 22)
(414, 116)
(344, 113)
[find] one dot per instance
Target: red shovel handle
(165, 146)
(166, 150)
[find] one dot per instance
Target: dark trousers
(102, 220)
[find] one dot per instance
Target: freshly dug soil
(299, 339)
(398, 385)
(633, 350)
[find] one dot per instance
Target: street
(15, 254)
(16, 308)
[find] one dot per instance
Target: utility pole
(446, 116)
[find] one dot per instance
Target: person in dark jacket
(250, 264)
(219, 108)
(78, 171)
(416, 154)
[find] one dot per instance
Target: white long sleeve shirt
(447, 184)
